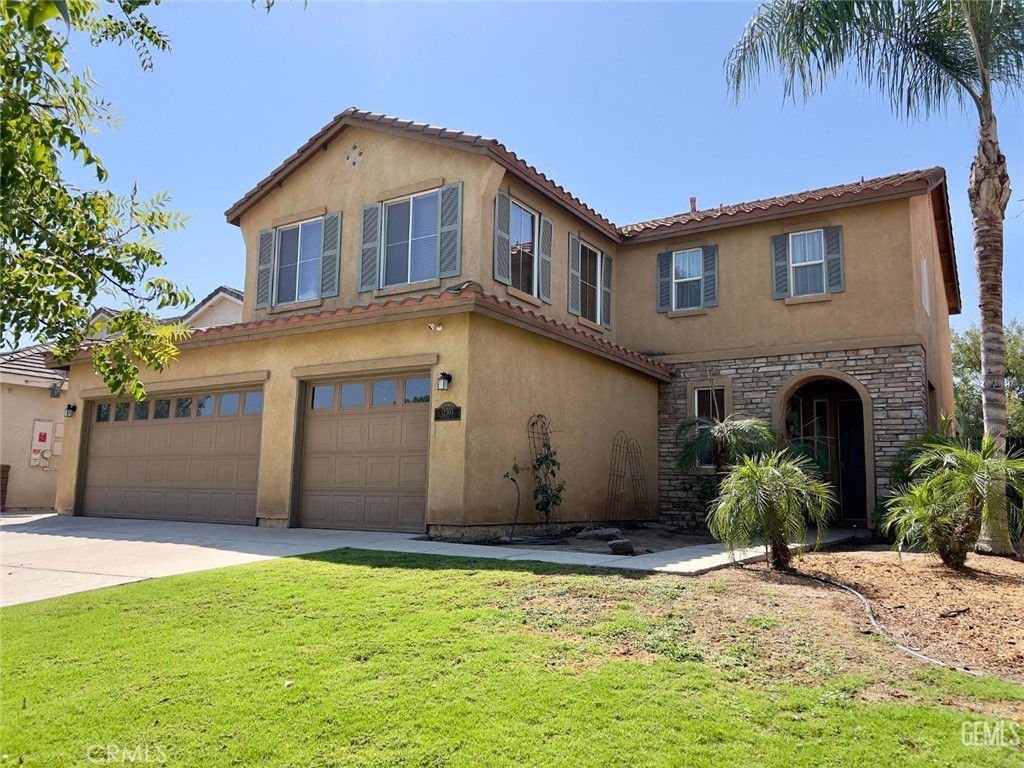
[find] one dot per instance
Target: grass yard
(359, 658)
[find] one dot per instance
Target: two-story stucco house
(386, 259)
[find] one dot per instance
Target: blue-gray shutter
(606, 290)
(502, 244)
(369, 252)
(665, 282)
(834, 279)
(264, 268)
(574, 274)
(710, 254)
(780, 266)
(331, 255)
(546, 245)
(449, 248)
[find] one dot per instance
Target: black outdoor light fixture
(69, 410)
(444, 380)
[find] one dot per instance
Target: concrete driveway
(50, 555)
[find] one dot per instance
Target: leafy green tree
(924, 55)
(967, 381)
(63, 246)
(768, 499)
(721, 442)
(957, 490)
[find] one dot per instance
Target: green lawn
(358, 658)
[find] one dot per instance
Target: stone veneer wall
(895, 377)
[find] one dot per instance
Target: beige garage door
(183, 457)
(364, 457)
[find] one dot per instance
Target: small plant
(957, 489)
(548, 491)
(721, 442)
(768, 499)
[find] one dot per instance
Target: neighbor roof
(29, 361)
(220, 290)
(909, 183)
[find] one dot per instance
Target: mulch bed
(971, 619)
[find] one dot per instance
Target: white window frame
(700, 280)
(793, 267)
(383, 268)
(298, 260)
(696, 406)
(535, 289)
(599, 286)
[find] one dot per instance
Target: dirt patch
(644, 540)
(971, 619)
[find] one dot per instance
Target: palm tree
(721, 442)
(767, 499)
(924, 55)
(956, 492)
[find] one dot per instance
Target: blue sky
(624, 105)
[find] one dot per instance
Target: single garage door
(182, 457)
(364, 454)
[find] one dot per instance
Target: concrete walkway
(46, 556)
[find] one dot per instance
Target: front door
(852, 471)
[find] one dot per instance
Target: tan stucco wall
(20, 405)
(588, 400)
(878, 303)
(327, 183)
(501, 375)
(220, 311)
(933, 325)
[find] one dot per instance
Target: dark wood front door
(852, 471)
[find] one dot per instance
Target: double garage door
(180, 457)
(364, 454)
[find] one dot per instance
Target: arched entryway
(829, 413)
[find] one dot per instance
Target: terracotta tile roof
(29, 361)
(921, 180)
(459, 139)
(461, 295)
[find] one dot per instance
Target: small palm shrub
(768, 498)
(722, 442)
(956, 489)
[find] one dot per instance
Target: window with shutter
(299, 261)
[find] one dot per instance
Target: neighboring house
(385, 257)
(32, 402)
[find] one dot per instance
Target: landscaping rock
(600, 534)
(621, 547)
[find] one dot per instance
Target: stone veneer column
(895, 377)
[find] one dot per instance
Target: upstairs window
(807, 262)
(590, 282)
(299, 261)
(687, 279)
(522, 244)
(410, 239)
(299, 255)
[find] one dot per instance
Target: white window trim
(793, 267)
(535, 288)
(675, 282)
(277, 261)
(926, 289)
(600, 281)
(383, 266)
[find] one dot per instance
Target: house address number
(448, 412)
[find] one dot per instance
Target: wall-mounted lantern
(444, 381)
(69, 410)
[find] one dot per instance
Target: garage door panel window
(183, 408)
(141, 411)
(229, 404)
(103, 412)
(417, 390)
(162, 409)
(353, 395)
(121, 411)
(385, 392)
(205, 405)
(254, 403)
(322, 397)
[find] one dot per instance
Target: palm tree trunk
(989, 193)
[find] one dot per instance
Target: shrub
(768, 499)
